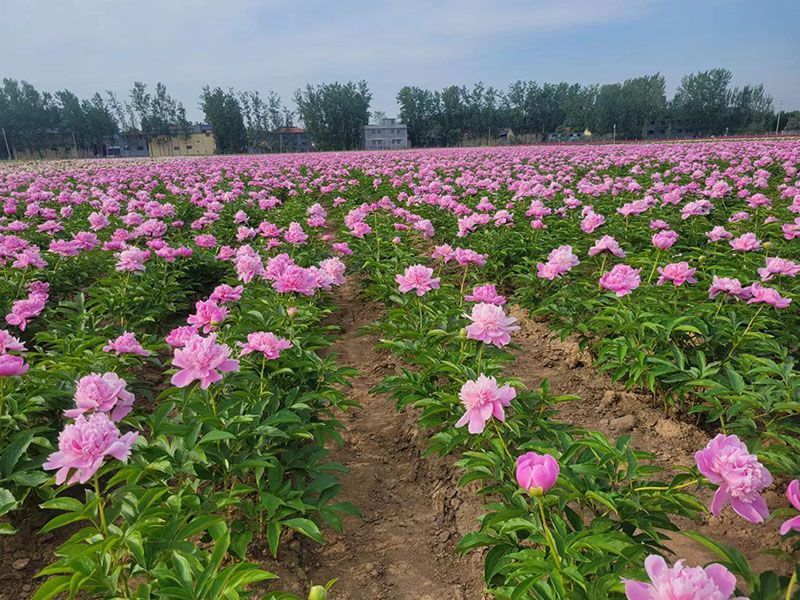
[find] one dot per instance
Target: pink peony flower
(8, 343)
(537, 473)
(607, 244)
(714, 582)
(295, 279)
(728, 285)
(663, 240)
(24, 310)
(747, 242)
(761, 293)
(485, 293)
(483, 399)
(265, 342)
(621, 280)
(419, 278)
(12, 366)
(332, 272)
(677, 273)
(444, 252)
(178, 337)
(104, 393)
(559, 261)
(778, 266)
(200, 359)
(126, 344)
(793, 495)
(725, 461)
(490, 325)
(342, 248)
(718, 233)
(84, 445)
(132, 259)
(208, 314)
(592, 221)
(224, 293)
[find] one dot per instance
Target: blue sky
(90, 45)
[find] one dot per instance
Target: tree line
(334, 114)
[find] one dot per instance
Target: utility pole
(614, 135)
(778, 123)
(74, 144)
(8, 151)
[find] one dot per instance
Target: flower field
(177, 408)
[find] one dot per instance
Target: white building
(386, 134)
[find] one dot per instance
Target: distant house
(386, 134)
(289, 139)
(198, 140)
(126, 145)
(505, 135)
(660, 129)
(54, 145)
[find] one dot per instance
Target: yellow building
(199, 141)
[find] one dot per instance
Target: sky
(280, 45)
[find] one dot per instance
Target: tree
(701, 101)
(419, 110)
(263, 116)
(335, 113)
(224, 114)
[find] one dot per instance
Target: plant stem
(653, 270)
(549, 536)
(502, 440)
(792, 581)
(746, 331)
(100, 506)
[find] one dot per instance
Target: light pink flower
(24, 310)
(224, 293)
(621, 280)
(793, 495)
(295, 279)
(592, 221)
(778, 266)
(104, 393)
(490, 325)
(332, 271)
(537, 473)
(718, 233)
(485, 293)
(483, 399)
(265, 342)
(12, 366)
(419, 278)
(8, 343)
(725, 461)
(664, 240)
(728, 285)
(444, 252)
(178, 337)
(132, 259)
(126, 344)
(677, 273)
(761, 293)
(201, 359)
(747, 242)
(714, 582)
(342, 248)
(84, 445)
(208, 314)
(607, 244)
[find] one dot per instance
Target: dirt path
(413, 516)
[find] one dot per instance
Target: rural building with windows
(385, 134)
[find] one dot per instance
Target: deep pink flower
(483, 399)
(621, 280)
(677, 273)
(725, 461)
(84, 445)
(178, 337)
(793, 495)
(419, 278)
(718, 233)
(132, 259)
(537, 473)
(332, 272)
(126, 344)
(104, 393)
(485, 293)
(12, 366)
(465, 256)
(208, 314)
(8, 343)
(444, 252)
(592, 221)
(342, 248)
(490, 325)
(265, 342)
(295, 279)
(761, 293)
(714, 582)
(201, 359)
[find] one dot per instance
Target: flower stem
(791, 585)
(549, 536)
(100, 506)
(746, 331)
(666, 487)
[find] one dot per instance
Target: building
(663, 129)
(290, 139)
(126, 145)
(198, 140)
(505, 136)
(55, 145)
(386, 134)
